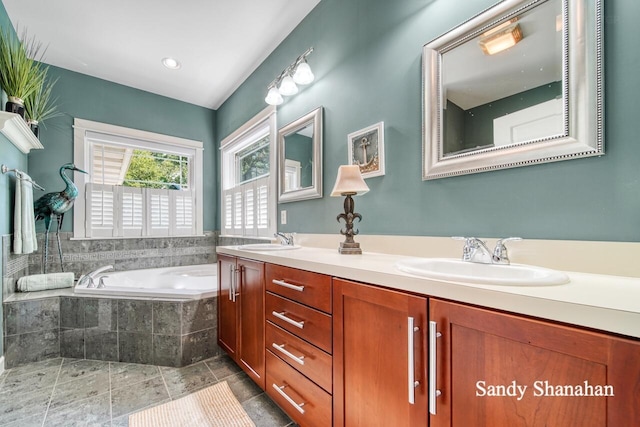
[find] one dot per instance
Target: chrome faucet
(88, 279)
(500, 255)
(101, 283)
(476, 250)
(285, 238)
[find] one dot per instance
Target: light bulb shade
(288, 86)
(349, 181)
(273, 97)
(303, 74)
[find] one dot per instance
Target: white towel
(24, 224)
(42, 282)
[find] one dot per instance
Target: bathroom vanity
(352, 341)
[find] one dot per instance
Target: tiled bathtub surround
(83, 256)
(156, 332)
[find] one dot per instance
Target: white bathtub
(187, 282)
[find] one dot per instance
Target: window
(248, 178)
(139, 184)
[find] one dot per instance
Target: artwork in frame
(366, 149)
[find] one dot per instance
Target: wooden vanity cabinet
(299, 344)
(379, 359)
(480, 348)
(241, 314)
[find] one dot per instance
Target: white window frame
(82, 129)
(264, 123)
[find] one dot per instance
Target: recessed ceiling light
(171, 63)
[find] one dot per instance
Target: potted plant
(20, 75)
(40, 106)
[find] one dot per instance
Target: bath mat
(215, 406)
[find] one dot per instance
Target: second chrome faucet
(476, 250)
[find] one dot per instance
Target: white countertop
(604, 302)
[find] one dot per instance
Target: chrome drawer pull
(288, 285)
(279, 389)
(299, 359)
(411, 329)
(433, 392)
(281, 316)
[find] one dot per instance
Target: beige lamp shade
(349, 181)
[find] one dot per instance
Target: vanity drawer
(300, 355)
(289, 389)
(307, 323)
(312, 289)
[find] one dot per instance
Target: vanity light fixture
(297, 73)
(171, 63)
(287, 86)
(349, 183)
(500, 38)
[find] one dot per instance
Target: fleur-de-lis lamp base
(349, 183)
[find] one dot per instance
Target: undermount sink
(267, 247)
(456, 270)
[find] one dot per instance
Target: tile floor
(76, 392)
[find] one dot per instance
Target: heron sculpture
(56, 204)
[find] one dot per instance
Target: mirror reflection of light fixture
(349, 183)
(297, 73)
(500, 38)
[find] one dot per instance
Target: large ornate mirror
(518, 84)
(300, 158)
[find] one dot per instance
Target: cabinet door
(251, 300)
(378, 357)
(485, 359)
(227, 305)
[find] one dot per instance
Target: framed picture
(366, 149)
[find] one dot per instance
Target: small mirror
(300, 158)
(519, 84)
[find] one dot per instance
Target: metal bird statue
(56, 204)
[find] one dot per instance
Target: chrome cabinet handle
(280, 348)
(411, 330)
(231, 280)
(433, 393)
(236, 280)
(279, 389)
(290, 321)
(288, 285)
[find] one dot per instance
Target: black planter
(34, 128)
(15, 105)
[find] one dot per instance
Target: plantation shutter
(183, 203)
(132, 209)
(246, 209)
(100, 213)
(262, 210)
(228, 211)
(158, 214)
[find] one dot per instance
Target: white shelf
(16, 130)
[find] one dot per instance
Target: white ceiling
(218, 42)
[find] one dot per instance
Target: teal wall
(14, 159)
(367, 62)
(84, 97)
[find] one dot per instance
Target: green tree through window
(149, 169)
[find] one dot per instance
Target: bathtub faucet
(88, 279)
(285, 238)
